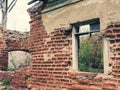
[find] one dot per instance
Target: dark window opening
(90, 46)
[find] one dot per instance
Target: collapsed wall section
(16, 40)
(13, 41)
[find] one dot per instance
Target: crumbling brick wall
(12, 41)
(51, 56)
(20, 78)
(5, 75)
(3, 51)
(90, 81)
(17, 78)
(16, 40)
(113, 35)
(18, 45)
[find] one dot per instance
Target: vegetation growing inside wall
(91, 55)
(5, 82)
(6, 85)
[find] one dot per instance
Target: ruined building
(54, 49)
(56, 32)
(13, 44)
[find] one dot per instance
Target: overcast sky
(18, 18)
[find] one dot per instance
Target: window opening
(90, 47)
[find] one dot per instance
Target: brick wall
(90, 81)
(22, 45)
(113, 35)
(20, 78)
(3, 52)
(16, 40)
(12, 41)
(51, 57)
(4, 75)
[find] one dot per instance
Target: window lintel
(91, 21)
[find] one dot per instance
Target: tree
(5, 8)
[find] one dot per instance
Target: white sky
(18, 18)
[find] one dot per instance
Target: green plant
(91, 55)
(84, 56)
(5, 82)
